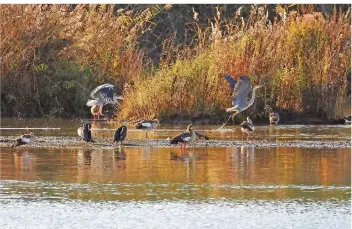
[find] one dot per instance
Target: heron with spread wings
(241, 89)
(100, 96)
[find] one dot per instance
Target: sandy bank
(73, 142)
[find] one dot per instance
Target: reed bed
(52, 56)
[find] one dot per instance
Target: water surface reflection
(165, 173)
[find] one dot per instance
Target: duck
(348, 119)
(85, 133)
(24, 139)
(147, 125)
(120, 133)
(188, 137)
(247, 127)
(274, 117)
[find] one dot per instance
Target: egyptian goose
(274, 117)
(147, 125)
(24, 139)
(188, 137)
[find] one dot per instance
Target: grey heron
(24, 139)
(100, 96)
(274, 117)
(120, 133)
(247, 127)
(190, 136)
(147, 125)
(85, 132)
(241, 89)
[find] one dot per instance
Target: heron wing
(91, 103)
(241, 91)
(103, 94)
(231, 81)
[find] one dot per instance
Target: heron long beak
(119, 97)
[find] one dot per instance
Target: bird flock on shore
(104, 94)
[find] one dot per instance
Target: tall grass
(302, 60)
(52, 57)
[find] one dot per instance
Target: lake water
(147, 187)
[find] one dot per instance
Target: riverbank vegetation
(169, 60)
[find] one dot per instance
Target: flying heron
(247, 127)
(100, 96)
(274, 117)
(147, 125)
(190, 136)
(241, 89)
(24, 139)
(120, 133)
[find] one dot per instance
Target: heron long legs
(233, 118)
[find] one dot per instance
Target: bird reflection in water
(84, 157)
(119, 154)
(241, 160)
(24, 162)
(119, 160)
(98, 164)
(147, 152)
(195, 154)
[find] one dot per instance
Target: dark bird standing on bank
(24, 139)
(247, 127)
(190, 136)
(147, 125)
(274, 117)
(120, 133)
(85, 132)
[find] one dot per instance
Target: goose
(102, 95)
(274, 117)
(85, 132)
(190, 136)
(120, 133)
(147, 125)
(24, 139)
(247, 127)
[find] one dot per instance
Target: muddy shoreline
(101, 143)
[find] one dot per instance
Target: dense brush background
(169, 60)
